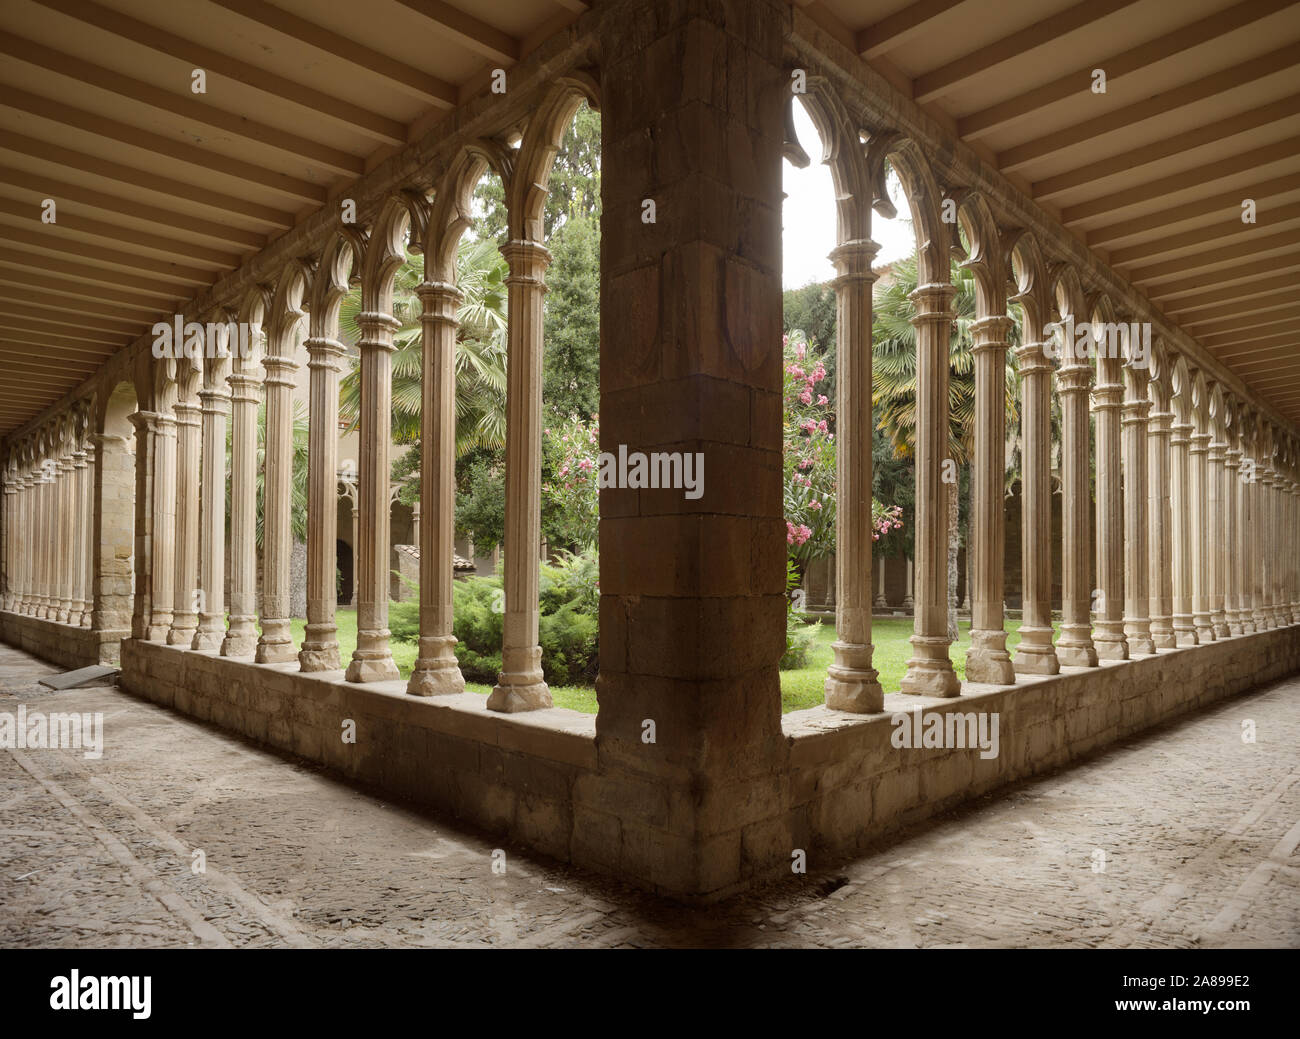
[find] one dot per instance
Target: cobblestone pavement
(1199, 832)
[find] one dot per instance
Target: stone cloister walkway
(1199, 832)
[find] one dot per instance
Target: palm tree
(297, 482)
(480, 349)
(894, 385)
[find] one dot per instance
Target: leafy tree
(480, 349)
(571, 365)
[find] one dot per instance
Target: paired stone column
(1245, 539)
(1180, 505)
(987, 660)
(79, 608)
(1265, 561)
(164, 524)
(1259, 545)
(520, 685)
(1198, 472)
(88, 532)
(10, 532)
(1107, 397)
(1137, 546)
(1159, 520)
(1216, 530)
(373, 659)
(245, 394)
(214, 402)
(436, 669)
(1075, 647)
(1232, 538)
(852, 682)
(929, 671)
(320, 647)
(185, 612)
(65, 532)
(275, 646)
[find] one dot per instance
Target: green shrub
(569, 598)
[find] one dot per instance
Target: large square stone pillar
(692, 614)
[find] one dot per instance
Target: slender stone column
(146, 438)
(1246, 541)
(245, 394)
(164, 525)
(520, 685)
(50, 542)
(214, 402)
(18, 604)
(881, 602)
(1180, 504)
(852, 683)
(436, 669)
(1293, 549)
(78, 606)
(1259, 549)
(1107, 398)
(1199, 498)
(1036, 655)
(1137, 549)
(88, 535)
(909, 601)
(929, 671)
(987, 660)
(276, 643)
(10, 522)
(1215, 532)
(1160, 569)
(320, 647)
(373, 659)
(185, 616)
(65, 529)
(1265, 560)
(45, 602)
(27, 558)
(1075, 647)
(1276, 546)
(1232, 539)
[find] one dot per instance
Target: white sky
(809, 216)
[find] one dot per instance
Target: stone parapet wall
(849, 786)
(63, 644)
(511, 774)
(838, 786)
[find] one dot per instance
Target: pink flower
(806, 397)
(816, 506)
(821, 399)
(799, 351)
(823, 427)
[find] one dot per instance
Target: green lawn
(799, 689)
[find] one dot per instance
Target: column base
(522, 688)
(320, 649)
(1110, 642)
(372, 661)
(1204, 629)
(1138, 635)
(1036, 655)
(241, 638)
(852, 684)
(210, 633)
(1184, 631)
(929, 672)
(1075, 648)
(184, 626)
(987, 660)
(158, 629)
(1219, 622)
(437, 672)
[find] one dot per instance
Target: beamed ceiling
(160, 191)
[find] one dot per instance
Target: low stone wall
(510, 774)
(849, 785)
(838, 784)
(61, 644)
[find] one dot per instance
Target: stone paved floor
(1199, 832)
